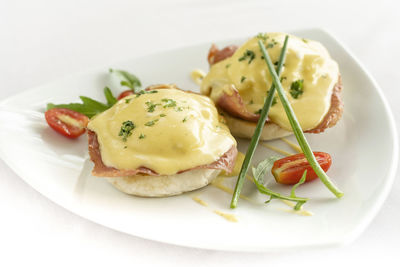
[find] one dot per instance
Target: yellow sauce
(305, 60)
(197, 76)
(227, 216)
(281, 151)
(174, 131)
(302, 211)
(292, 145)
(218, 183)
(200, 201)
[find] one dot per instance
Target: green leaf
(127, 79)
(302, 180)
(258, 175)
(262, 168)
(111, 100)
(89, 107)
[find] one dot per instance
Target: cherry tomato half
(289, 170)
(67, 122)
(124, 94)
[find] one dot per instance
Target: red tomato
(289, 170)
(124, 94)
(66, 122)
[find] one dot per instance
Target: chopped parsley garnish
(142, 92)
(304, 40)
(151, 123)
(242, 79)
(141, 136)
(185, 119)
(251, 102)
(126, 130)
(162, 115)
(262, 36)
(248, 55)
(272, 43)
(296, 88)
(151, 106)
(283, 78)
(168, 103)
(227, 65)
(258, 111)
(178, 109)
(128, 100)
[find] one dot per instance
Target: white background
(41, 41)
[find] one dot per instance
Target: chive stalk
(257, 132)
(297, 130)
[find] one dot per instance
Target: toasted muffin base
(164, 185)
(245, 129)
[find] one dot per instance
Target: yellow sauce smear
(280, 151)
(200, 201)
(228, 190)
(292, 145)
(301, 212)
(197, 76)
(226, 216)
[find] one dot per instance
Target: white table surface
(43, 40)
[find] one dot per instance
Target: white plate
(363, 146)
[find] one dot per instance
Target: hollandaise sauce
(165, 130)
(309, 75)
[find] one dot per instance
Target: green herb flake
(168, 103)
(126, 130)
(304, 40)
(185, 119)
(258, 111)
(128, 100)
(141, 136)
(143, 92)
(151, 123)
(297, 88)
(179, 109)
(162, 115)
(248, 55)
(262, 36)
(272, 43)
(151, 106)
(251, 102)
(242, 79)
(227, 65)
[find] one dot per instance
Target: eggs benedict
(160, 142)
(238, 82)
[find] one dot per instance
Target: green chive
(298, 132)
(257, 132)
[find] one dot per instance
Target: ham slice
(226, 162)
(233, 104)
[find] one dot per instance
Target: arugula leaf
(111, 100)
(127, 79)
(88, 107)
(258, 176)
